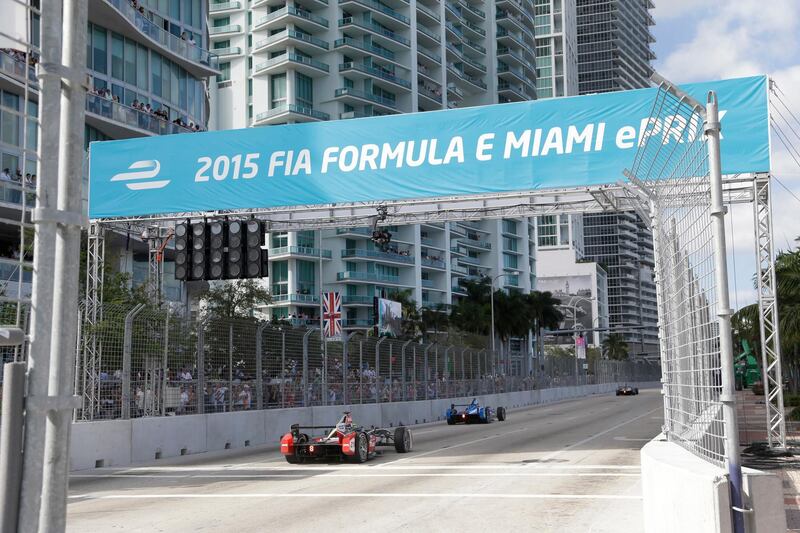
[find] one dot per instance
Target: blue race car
(473, 413)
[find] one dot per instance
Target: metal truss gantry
(768, 312)
(86, 377)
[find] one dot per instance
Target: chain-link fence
(672, 167)
(140, 361)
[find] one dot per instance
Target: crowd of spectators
(18, 55)
(160, 113)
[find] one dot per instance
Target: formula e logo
(139, 172)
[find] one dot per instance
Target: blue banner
(562, 142)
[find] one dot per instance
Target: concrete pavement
(571, 466)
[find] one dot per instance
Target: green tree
(434, 320)
(543, 311)
(615, 347)
(410, 317)
(472, 313)
(237, 299)
(746, 321)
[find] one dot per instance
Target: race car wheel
(501, 413)
(402, 440)
(296, 459)
(450, 421)
(617, 393)
(362, 448)
(636, 391)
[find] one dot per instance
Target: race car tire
(362, 448)
(296, 459)
(451, 421)
(618, 393)
(636, 391)
(402, 440)
(501, 413)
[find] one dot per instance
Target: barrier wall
(682, 492)
(141, 440)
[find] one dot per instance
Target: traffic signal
(253, 255)
(182, 246)
(234, 262)
(199, 249)
(216, 249)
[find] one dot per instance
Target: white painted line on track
(596, 435)
(91, 496)
(132, 472)
(629, 439)
(365, 475)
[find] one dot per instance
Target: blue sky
(715, 39)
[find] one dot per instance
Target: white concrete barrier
(682, 492)
(141, 440)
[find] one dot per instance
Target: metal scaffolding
(86, 382)
(768, 312)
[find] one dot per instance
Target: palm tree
(410, 313)
(472, 313)
(615, 347)
(434, 319)
(543, 311)
(746, 320)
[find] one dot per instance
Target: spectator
(6, 175)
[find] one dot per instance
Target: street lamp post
(491, 298)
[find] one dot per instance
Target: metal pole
(403, 368)
(11, 444)
(304, 381)
(165, 368)
(201, 368)
(53, 512)
(43, 261)
(361, 372)
(283, 368)
(378, 369)
(391, 384)
(230, 367)
(491, 300)
(127, 349)
(727, 396)
(260, 367)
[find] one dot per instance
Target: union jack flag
(332, 315)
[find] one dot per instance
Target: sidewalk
(752, 418)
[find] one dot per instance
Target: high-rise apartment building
(623, 245)
(556, 32)
(148, 65)
(313, 60)
(614, 45)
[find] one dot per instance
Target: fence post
(345, 342)
(414, 371)
(127, 348)
(304, 381)
(391, 383)
(11, 439)
(260, 366)
(403, 368)
(230, 367)
(426, 369)
(361, 372)
(201, 367)
(164, 368)
(378, 369)
(283, 368)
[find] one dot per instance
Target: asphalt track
(570, 466)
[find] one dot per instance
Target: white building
(429, 260)
(556, 31)
(580, 285)
(315, 60)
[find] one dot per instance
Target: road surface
(570, 466)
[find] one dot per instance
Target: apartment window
(510, 261)
(250, 87)
(510, 226)
(175, 9)
(224, 21)
(277, 91)
(99, 50)
(306, 280)
(279, 240)
(141, 67)
(225, 72)
(280, 278)
(510, 243)
(117, 56)
(305, 239)
(130, 62)
(222, 44)
(547, 229)
(304, 92)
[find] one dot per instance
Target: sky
(701, 40)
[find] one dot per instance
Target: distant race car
(627, 390)
(473, 414)
(344, 441)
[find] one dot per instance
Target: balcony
(10, 277)
(431, 94)
(228, 52)
(355, 300)
(432, 15)
(371, 72)
(223, 7)
(282, 113)
(386, 37)
(367, 277)
(433, 263)
(286, 299)
(303, 19)
(459, 270)
(303, 64)
(506, 19)
(348, 42)
(475, 244)
(16, 70)
(300, 251)
(357, 323)
(506, 37)
(514, 73)
(511, 91)
(476, 13)
(361, 97)
(376, 255)
(120, 121)
(436, 59)
(301, 41)
(470, 260)
(11, 196)
(215, 32)
(474, 46)
(433, 37)
(357, 232)
(120, 16)
(381, 13)
(469, 27)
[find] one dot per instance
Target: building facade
(556, 32)
(614, 45)
(315, 60)
(148, 66)
(623, 246)
(429, 261)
